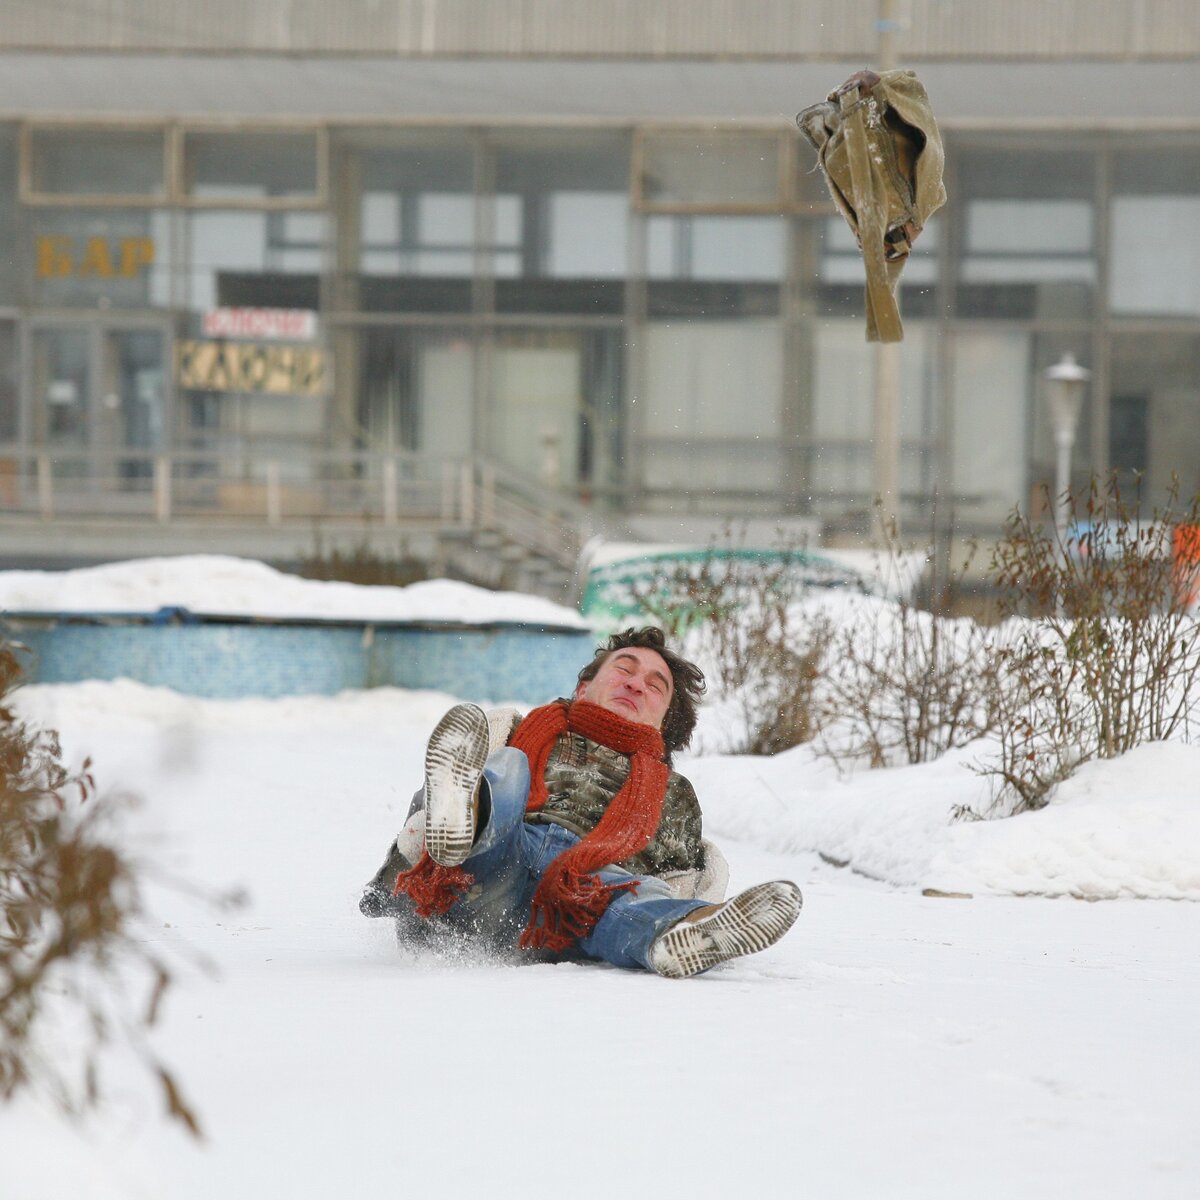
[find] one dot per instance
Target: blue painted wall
(229, 660)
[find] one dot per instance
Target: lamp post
(1065, 385)
(886, 407)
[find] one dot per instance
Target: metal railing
(451, 495)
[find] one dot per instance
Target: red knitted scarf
(570, 898)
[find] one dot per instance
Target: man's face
(635, 683)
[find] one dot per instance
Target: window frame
(317, 200)
(786, 198)
(29, 195)
(174, 193)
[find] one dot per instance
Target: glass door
(132, 400)
(62, 397)
(537, 406)
(98, 399)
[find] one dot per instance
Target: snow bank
(1129, 827)
(227, 586)
(1125, 827)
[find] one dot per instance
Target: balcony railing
(399, 490)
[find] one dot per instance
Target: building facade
(586, 246)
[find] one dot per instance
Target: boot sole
(454, 759)
(751, 921)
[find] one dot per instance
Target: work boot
(751, 921)
(454, 760)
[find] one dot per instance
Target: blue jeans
(509, 858)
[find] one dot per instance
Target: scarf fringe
(566, 908)
(432, 888)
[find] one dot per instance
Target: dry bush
(1109, 656)
(764, 652)
(907, 684)
(70, 910)
(883, 682)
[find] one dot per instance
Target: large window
(1027, 233)
(714, 266)
(417, 221)
(257, 167)
(567, 198)
(712, 408)
(704, 170)
(841, 461)
(65, 164)
(244, 258)
(550, 404)
(716, 247)
(713, 246)
(11, 261)
(1155, 264)
(1154, 416)
(991, 403)
(415, 390)
(417, 207)
(10, 396)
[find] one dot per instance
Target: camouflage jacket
(582, 777)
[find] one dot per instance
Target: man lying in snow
(566, 831)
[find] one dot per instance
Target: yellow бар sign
(59, 257)
(249, 367)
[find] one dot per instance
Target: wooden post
(162, 489)
(466, 493)
(274, 505)
(45, 487)
(391, 506)
(447, 492)
(488, 490)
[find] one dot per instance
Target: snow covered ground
(893, 1045)
(1004, 1039)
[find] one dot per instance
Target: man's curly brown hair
(687, 680)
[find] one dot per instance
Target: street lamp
(1065, 385)
(886, 413)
